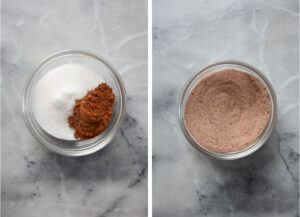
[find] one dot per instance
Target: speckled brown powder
(227, 110)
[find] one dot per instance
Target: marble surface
(111, 182)
(188, 35)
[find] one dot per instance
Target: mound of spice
(92, 113)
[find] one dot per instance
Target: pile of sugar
(55, 93)
(227, 110)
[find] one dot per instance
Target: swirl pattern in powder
(227, 110)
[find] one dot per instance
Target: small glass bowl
(107, 72)
(218, 66)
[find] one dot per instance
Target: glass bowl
(218, 66)
(112, 78)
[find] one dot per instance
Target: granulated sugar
(227, 110)
(55, 93)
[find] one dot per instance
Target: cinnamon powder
(92, 113)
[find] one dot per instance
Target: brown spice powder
(227, 110)
(92, 113)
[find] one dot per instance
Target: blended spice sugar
(92, 113)
(227, 110)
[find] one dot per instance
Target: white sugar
(54, 97)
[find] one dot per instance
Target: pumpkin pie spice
(92, 113)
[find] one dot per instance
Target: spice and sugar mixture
(227, 110)
(72, 102)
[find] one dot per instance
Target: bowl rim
(96, 145)
(260, 140)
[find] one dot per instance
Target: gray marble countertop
(111, 182)
(188, 35)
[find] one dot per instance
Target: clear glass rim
(94, 144)
(252, 147)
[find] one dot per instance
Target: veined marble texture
(188, 35)
(111, 182)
